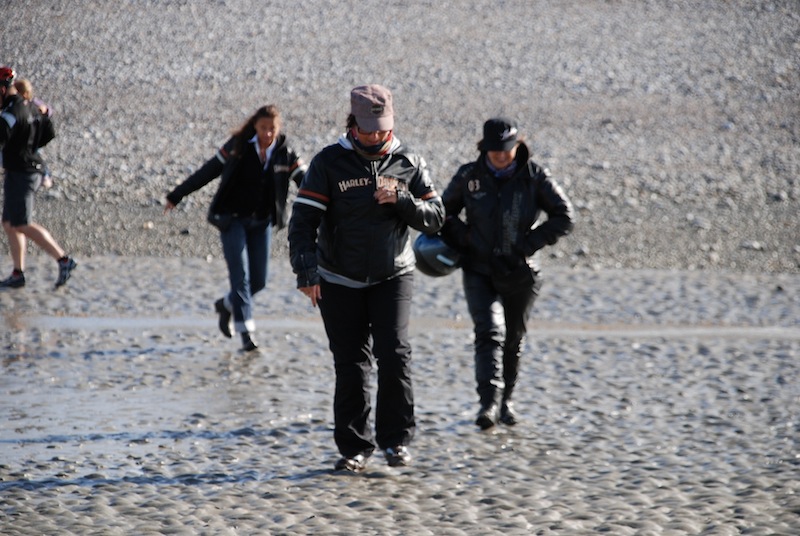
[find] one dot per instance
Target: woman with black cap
(502, 195)
(350, 248)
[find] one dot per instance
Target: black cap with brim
(499, 134)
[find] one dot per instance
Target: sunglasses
(380, 133)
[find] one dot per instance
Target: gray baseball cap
(372, 107)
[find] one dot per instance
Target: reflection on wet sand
(125, 411)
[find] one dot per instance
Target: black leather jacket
(337, 225)
(501, 230)
(23, 131)
(286, 164)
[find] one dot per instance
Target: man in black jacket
(23, 131)
(502, 194)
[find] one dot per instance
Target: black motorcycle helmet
(434, 257)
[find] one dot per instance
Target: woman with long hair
(256, 166)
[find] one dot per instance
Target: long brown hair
(248, 128)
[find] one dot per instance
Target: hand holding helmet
(434, 257)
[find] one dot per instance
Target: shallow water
(423, 323)
(126, 415)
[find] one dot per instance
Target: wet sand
(654, 402)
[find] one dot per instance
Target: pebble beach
(660, 385)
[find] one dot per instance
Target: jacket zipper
(374, 172)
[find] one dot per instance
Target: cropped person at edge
(24, 129)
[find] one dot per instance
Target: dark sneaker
(508, 416)
(224, 317)
(487, 416)
(17, 280)
(398, 456)
(248, 344)
(65, 268)
(354, 464)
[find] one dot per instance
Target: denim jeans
(246, 246)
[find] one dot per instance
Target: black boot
(487, 416)
(224, 317)
(508, 416)
(248, 344)
(489, 393)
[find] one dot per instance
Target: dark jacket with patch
(286, 165)
(502, 228)
(337, 224)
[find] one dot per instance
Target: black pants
(361, 323)
(500, 322)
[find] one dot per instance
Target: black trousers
(500, 323)
(362, 325)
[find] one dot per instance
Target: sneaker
(398, 456)
(508, 416)
(224, 317)
(487, 416)
(353, 464)
(65, 268)
(248, 344)
(16, 280)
